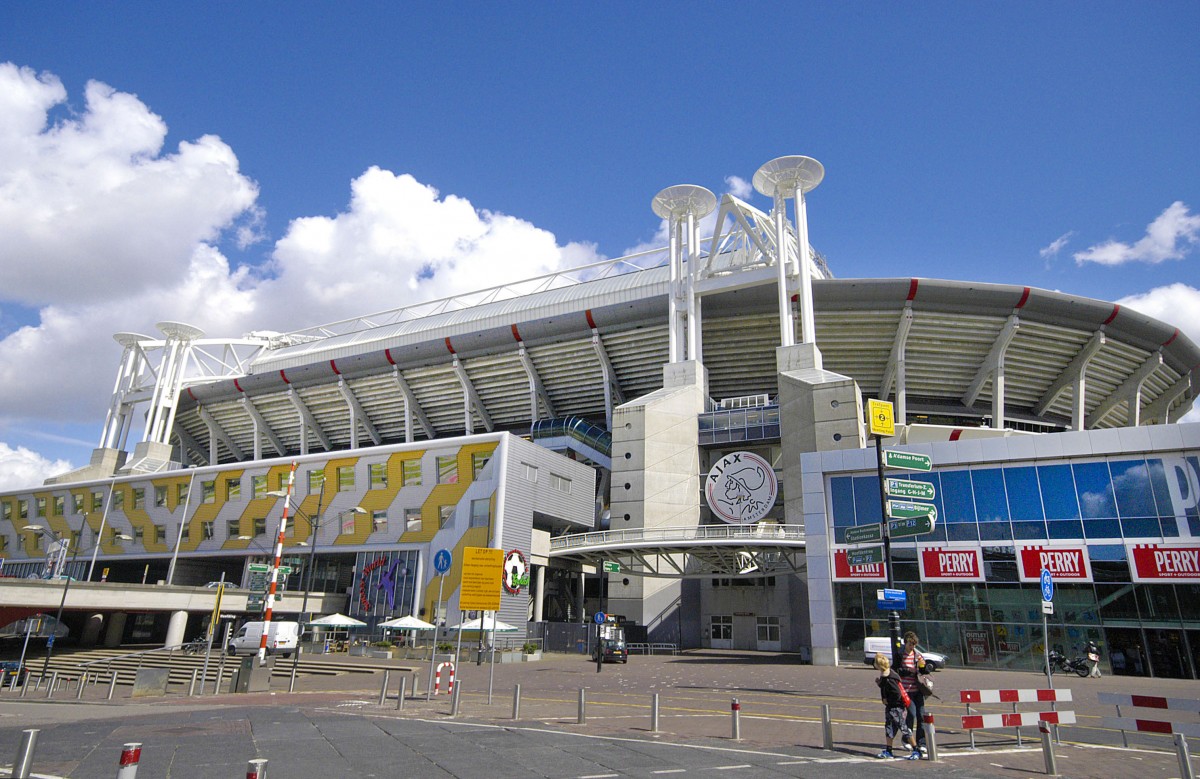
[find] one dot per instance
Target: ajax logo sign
(741, 488)
(516, 572)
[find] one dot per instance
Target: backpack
(904, 696)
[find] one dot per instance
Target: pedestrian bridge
(690, 551)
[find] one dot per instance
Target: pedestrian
(895, 703)
(1093, 656)
(911, 670)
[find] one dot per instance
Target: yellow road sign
(883, 420)
(482, 579)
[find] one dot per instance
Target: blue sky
(210, 163)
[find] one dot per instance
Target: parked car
(10, 669)
(934, 661)
(282, 638)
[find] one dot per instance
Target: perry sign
(741, 488)
(844, 572)
(950, 564)
(1067, 564)
(1158, 563)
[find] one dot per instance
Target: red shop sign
(1066, 564)
(951, 564)
(843, 572)
(1164, 563)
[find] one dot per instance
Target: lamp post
(47, 534)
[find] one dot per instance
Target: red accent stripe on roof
(591, 322)
(191, 394)
(333, 364)
(238, 386)
(1024, 298)
(283, 376)
(912, 289)
(450, 346)
(516, 333)
(1170, 340)
(388, 354)
(1113, 315)
(796, 298)
(955, 433)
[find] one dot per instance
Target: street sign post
(902, 509)
(868, 556)
(442, 561)
(882, 418)
(907, 461)
(612, 567)
(911, 526)
(864, 534)
(891, 600)
(906, 488)
(1047, 584)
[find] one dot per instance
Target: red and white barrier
(1013, 696)
(1016, 719)
(131, 755)
(437, 678)
(1149, 702)
(1149, 725)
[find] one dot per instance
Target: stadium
(591, 420)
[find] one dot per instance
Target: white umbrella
(489, 624)
(407, 623)
(337, 621)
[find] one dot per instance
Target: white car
(934, 661)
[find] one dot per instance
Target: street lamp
(63, 543)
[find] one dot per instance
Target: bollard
(53, 683)
(383, 687)
(930, 739)
(112, 685)
(581, 715)
(192, 686)
(735, 709)
(1048, 748)
(517, 702)
(25, 685)
(257, 769)
(454, 700)
(416, 679)
(1185, 761)
(827, 726)
(400, 696)
(131, 755)
(654, 713)
(79, 691)
(24, 762)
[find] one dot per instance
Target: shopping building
(686, 447)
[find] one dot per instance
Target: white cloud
(1178, 304)
(21, 468)
(739, 187)
(1056, 245)
(1169, 237)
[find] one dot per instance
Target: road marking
(670, 771)
(730, 767)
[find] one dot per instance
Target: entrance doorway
(720, 631)
(768, 634)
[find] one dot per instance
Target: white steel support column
(808, 325)
(673, 335)
(693, 301)
(682, 205)
(170, 380)
(787, 325)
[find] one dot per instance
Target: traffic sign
(903, 509)
(911, 526)
(882, 418)
(864, 534)
(1047, 607)
(907, 461)
(891, 600)
(442, 560)
(868, 556)
(1047, 585)
(907, 488)
(611, 567)
(482, 579)
(599, 617)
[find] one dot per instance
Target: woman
(911, 665)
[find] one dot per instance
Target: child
(895, 706)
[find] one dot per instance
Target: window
(76, 503)
(768, 629)
(97, 500)
(118, 500)
(447, 470)
(6, 510)
(379, 520)
(3, 543)
(721, 627)
(530, 472)
(260, 526)
(41, 507)
(160, 534)
(481, 512)
(412, 520)
(22, 509)
(316, 479)
(445, 515)
(478, 460)
(114, 536)
(60, 505)
(378, 475)
(345, 478)
(233, 489)
(560, 483)
(206, 530)
(281, 480)
(185, 532)
(208, 491)
(181, 493)
(411, 473)
(139, 534)
(258, 487)
(233, 528)
(139, 498)
(160, 496)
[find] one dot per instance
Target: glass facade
(1106, 506)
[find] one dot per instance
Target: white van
(934, 661)
(282, 638)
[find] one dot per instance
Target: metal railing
(684, 533)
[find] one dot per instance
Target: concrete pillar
(579, 615)
(539, 592)
(176, 628)
(91, 630)
(116, 629)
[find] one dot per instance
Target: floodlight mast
(683, 205)
(780, 179)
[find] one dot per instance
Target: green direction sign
(907, 461)
(260, 568)
(904, 488)
(864, 534)
(869, 556)
(912, 526)
(611, 567)
(902, 509)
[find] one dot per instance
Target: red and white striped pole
(257, 769)
(270, 607)
(131, 755)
